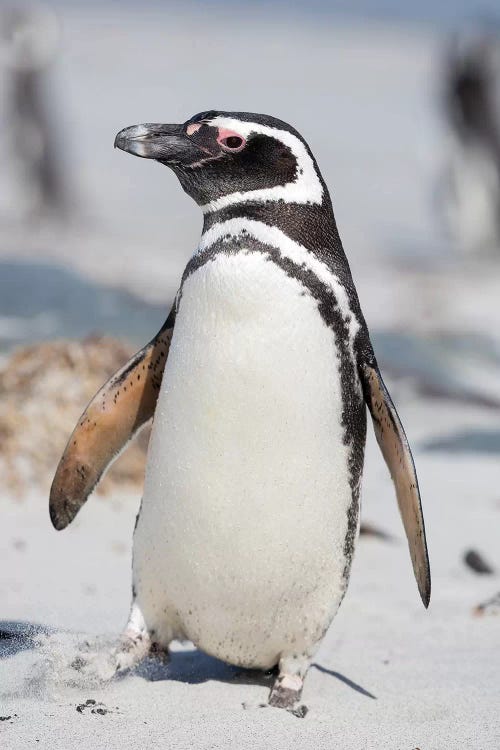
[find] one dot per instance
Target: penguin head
(223, 158)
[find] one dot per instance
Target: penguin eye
(234, 141)
(231, 141)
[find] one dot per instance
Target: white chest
(247, 484)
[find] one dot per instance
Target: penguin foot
(135, 642)
(134, 648)
(131, 651)
(159, 652)
(286, 693)
(298, 710)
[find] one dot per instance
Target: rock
(369, 529)
(477, 563)
(43, 390)
(489, 607)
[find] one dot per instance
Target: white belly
(240, 540)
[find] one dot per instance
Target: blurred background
(398, 100)
(400, 103)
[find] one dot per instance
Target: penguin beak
(166, 143)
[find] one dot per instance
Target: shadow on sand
(192, 667)
(195, 667)
(345, 680)
(19, 636)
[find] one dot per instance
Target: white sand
(433, 675)
(363, 97)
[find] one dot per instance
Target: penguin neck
(311, 225)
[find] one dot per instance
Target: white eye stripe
(306, 188)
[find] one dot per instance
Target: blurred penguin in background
(471, 191)
(31, 179)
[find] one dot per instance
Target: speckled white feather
(240, 540)
(294, 251)
(306, 188)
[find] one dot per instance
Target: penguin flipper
(397, 454)
(118, 410)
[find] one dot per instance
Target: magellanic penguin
(470, 187)
(258, 382)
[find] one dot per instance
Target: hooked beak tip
(130, 139)
(165, 143)
(120, 140)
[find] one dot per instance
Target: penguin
(258, 383)
(33, 183)
(470, 186)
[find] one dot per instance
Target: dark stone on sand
(477, 563)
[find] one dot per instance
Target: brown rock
(489, 607)
(43, 390)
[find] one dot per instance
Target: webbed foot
(286, 691)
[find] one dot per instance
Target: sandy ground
(389, 674)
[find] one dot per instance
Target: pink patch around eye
(193, 128)
(230, 140)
